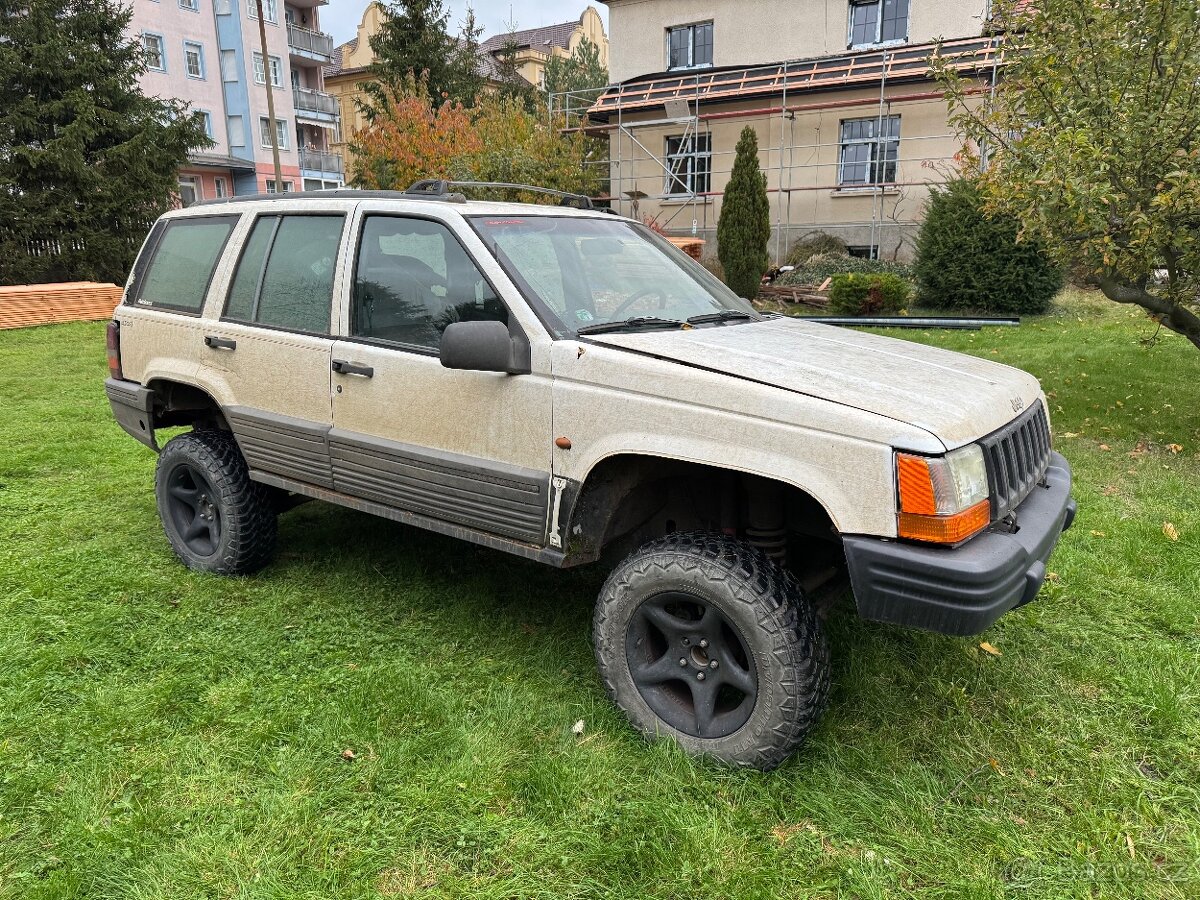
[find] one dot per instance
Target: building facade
(852, 128)
(534, 47)
(207, 52)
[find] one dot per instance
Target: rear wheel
(704, 639)
(215, 518)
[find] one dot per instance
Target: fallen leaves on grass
(988, 648)
(1105, 447)
(1170, 531)
(784, 831)
(349, 755)
(1175, 448)
(577, 728)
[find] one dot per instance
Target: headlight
(943, 499)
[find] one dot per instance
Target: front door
(272, 347)
(467, 448)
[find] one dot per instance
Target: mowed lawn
(384, 712)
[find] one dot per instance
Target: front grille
(1016, 458)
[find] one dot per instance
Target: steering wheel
(657, 292)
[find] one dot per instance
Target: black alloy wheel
(691, 665)
(191, 506)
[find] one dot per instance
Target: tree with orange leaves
(408, 140)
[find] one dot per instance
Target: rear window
(183, 261)
(285, 276)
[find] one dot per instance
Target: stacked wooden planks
(47, 304)
(689, 245)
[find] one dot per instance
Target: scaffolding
(804, 163)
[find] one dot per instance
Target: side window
(183, 263)
(285, 276)
(414, 278)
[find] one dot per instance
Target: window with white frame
(281, 132)
(155, 52)
(193, 5)
(270, 10)
(690, 46)
(193, 59)
(878, 22)
(260, 76)
(219, 187)
(689, 165)
(868, 151)
(205, 118)
(272, 187)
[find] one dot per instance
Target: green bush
(969, 261)
(821, 267)
(816, 243)
(868, 295)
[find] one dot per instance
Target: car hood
(956, 397)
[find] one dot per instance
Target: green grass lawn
(388, 712)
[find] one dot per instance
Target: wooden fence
(47, 304)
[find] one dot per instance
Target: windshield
(589, 273)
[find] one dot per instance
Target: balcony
(320, 161)
(314, 105)
(308, 46)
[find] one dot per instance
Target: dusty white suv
(559, 383)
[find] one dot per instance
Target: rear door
(468, 448)
(271, 347)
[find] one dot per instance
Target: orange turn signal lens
(945, 529)
(916, 485)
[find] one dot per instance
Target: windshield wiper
(725, 315)
(635, 322)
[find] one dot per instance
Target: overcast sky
(341, 17)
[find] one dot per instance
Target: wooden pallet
(26, 305)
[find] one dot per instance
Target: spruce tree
(414, 38)
(744, 227)
(87, 161)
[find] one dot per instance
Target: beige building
(852, 130)
(534, 47)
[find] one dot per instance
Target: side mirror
(484, 347)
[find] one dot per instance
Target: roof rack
(440, 189)
(425, 189)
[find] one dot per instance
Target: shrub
(821, 267)
(816, 243)
(967, 260)
(868, 295)
(744, 226)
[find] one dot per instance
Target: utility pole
(266, 58)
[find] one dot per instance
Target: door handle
(219, 343)
(348, 368)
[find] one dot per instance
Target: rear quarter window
(182, 263)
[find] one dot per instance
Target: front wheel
(216, 519)
(704, 639)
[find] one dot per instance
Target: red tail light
(112, 341)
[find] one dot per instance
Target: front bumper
(963, 590)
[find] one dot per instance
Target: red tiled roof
(819, 74)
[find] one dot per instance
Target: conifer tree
(87, 161)
(415, 38)
(744, 227)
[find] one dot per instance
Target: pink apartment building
(207, 53)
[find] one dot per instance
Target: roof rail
(440, 188)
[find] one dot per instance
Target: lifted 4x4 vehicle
(560, 383)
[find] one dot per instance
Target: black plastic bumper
(963, 590)
(133, 407)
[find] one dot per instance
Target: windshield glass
(591, 272)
